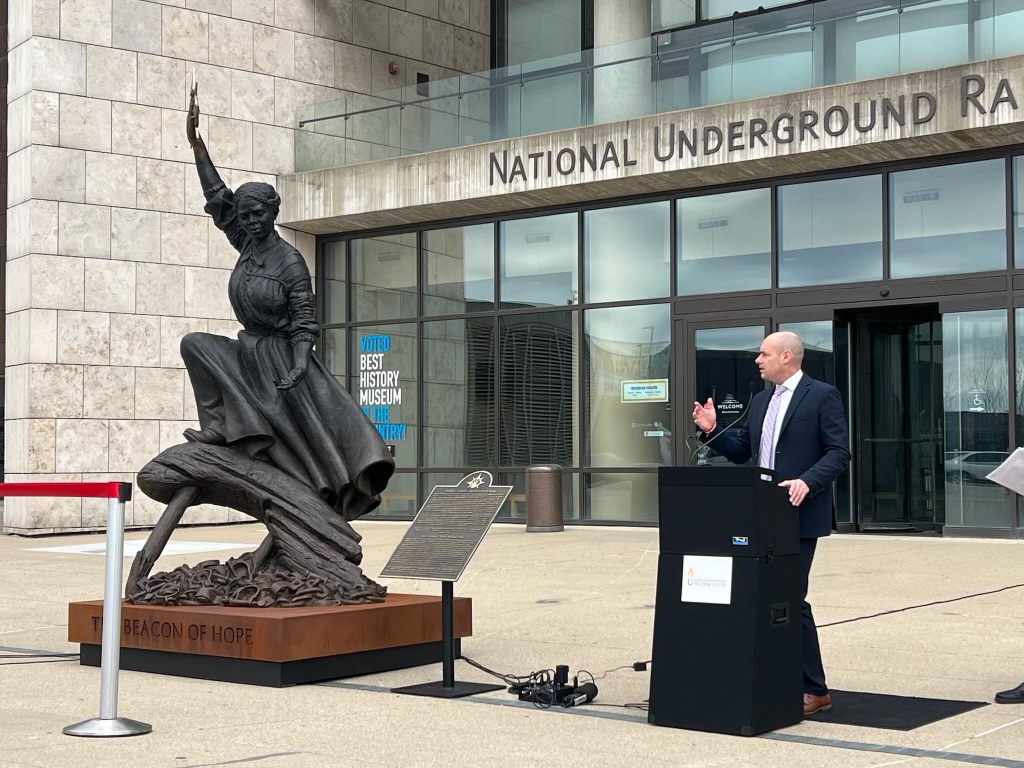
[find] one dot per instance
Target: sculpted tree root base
(310, 557)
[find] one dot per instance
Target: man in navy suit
(798, 428)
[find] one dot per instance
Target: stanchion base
(439, 691)
(100, 727)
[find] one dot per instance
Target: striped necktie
(766, 456)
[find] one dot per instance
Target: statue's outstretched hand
(192, 121)
(293, 377)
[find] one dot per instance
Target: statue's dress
(314, 432)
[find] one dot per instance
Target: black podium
(727, 642)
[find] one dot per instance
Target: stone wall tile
(83, 338)
(85, 123)
(160, 290)
(58, 173)
(185, 34)
(370, 25)
(405, 31)
(314, 60)
(31, 336)
(135, 130)
(232, 143)
(276, 149)
(57, 282)
(32, 228)
(86, 21)
(221, 7)
(439, 43)
(399, 4)
(290, 99)
(222, 254)
(161, 185)
(195, 200)
(110, 286)
(19, 70)
(231, 43)
(32, 17)
(84, 230)
(274, 51)
(51, 515)
(133, 442)
(259, 11)
(33, 119)
(183, 239)
(162, 81)
(136, 26)
(480, 17)
(206, 293)
(380, 78)
(18, 286)
(174, 139)
(171, 432)
(134, 340)
(81, 445)
(214, 89)
(134, 235)
(471, 51)
(159, 393)
(228, 328)
(110, 179)
(428, 8)
(30, 445)
(454, 12)
(19, 176)
(17, 400)
(298, 15)
(333, 20)
(352, 67)
(172, 331)
(190, 409)
(112, 74)
(252, 96)
(51, 391)
(109, 392)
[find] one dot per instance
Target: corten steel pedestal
(275, 647)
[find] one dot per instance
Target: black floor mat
(882, 710)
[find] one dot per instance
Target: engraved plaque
(447, 530)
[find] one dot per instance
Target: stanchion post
(108, 723)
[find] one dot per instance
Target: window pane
(948, 220)
(641, 231)
(725, 242)
(717, 9)
(384, 277)
(628, 362)
(1019, 407)
(668, 14)
(1008, 28)
(458, 266)
(515, 508)
(867, 43)
(622, 497)
(542, 30)
(332, 353)
(335, 293)
(384, 383)
(1018, 211)
(458, 393)
(539, 381)
(830, 232)
(773, 53)
(399, 500)
(976, 396)
(934, 34)
(539, 259)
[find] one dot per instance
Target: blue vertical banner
(379, 389)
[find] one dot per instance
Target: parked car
(972, 466)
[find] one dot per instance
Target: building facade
(547, 261)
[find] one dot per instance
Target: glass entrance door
(899, 419)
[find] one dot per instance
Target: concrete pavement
(583, 598)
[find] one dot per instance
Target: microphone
(737, 420)
(583, 694)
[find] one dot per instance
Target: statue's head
(256, 205)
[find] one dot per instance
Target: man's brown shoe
(814, 703)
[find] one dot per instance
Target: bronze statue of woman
(265, 401)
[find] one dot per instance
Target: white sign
(707, 579)
(645, 391)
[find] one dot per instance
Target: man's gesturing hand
(798, 491)
(704, 415)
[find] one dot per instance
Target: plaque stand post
(447, 688)
(438, 546)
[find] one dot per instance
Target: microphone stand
(737, 420)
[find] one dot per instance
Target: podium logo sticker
(707, 579)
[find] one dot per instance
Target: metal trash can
(544, 498)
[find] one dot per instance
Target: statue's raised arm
(208, 176)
